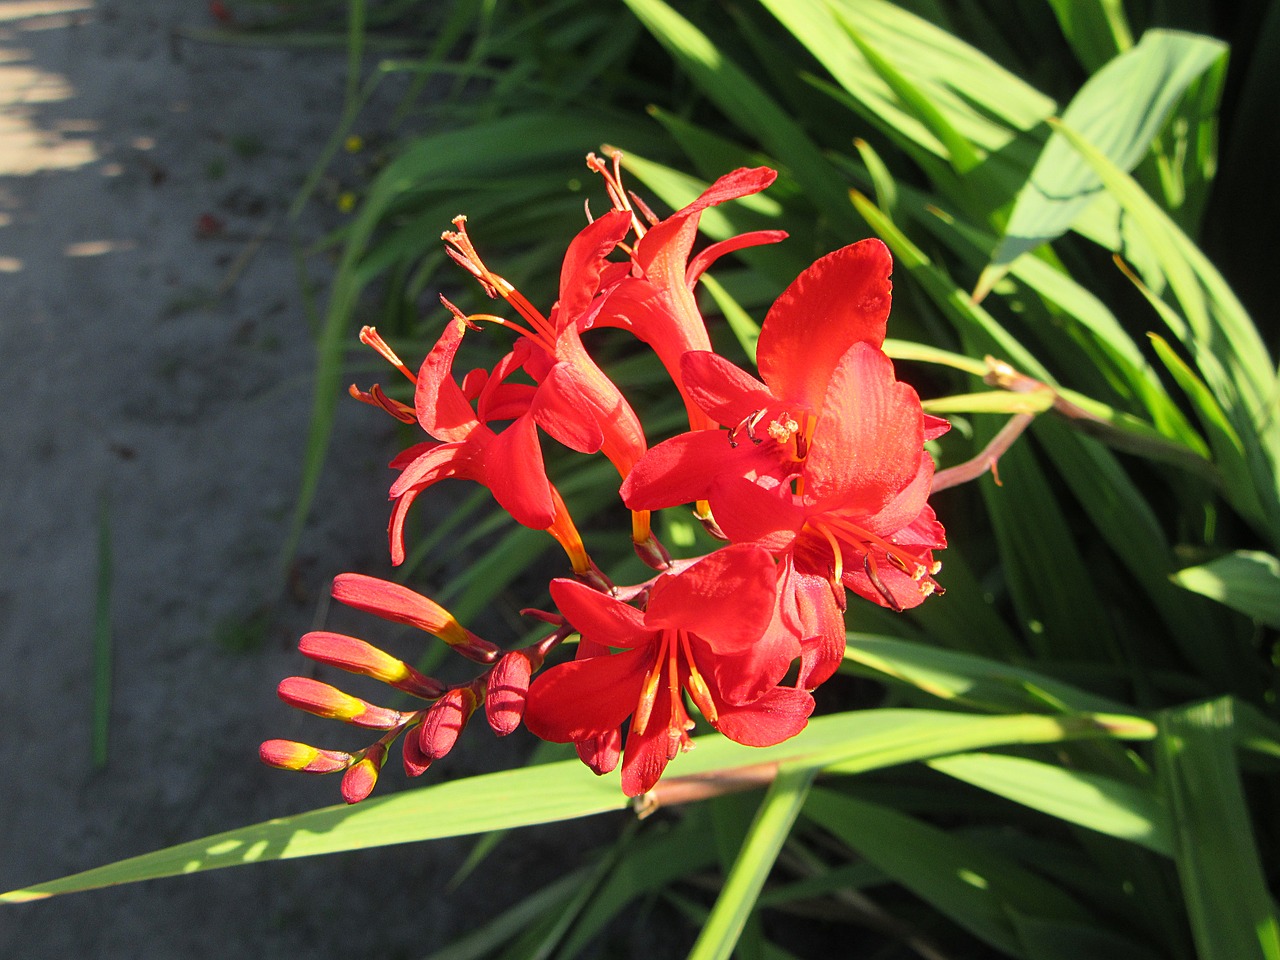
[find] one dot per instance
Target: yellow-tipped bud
(356, 656)
(330, 702)
(291, 755)
(396, 602)
(358, 782)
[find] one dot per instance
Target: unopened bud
(291, 755)
(601, 752)
(392, 601)
(653, 553)
(330, 702)
(356, 656)
(415, 761)
(358, 782)
(444, 721)
(509, 689)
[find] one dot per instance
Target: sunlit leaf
(1246, 580)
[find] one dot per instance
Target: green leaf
(967, 679)
(745, 103)
(847, 742)
(1086, 799)
(974, 886)
(1120, 109)
(1213, 326)
(1097, 30)
(778, 811)
(1247, 581)
(1232, 915)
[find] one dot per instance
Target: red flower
(656, 302)
(703, 630)
(823, 464)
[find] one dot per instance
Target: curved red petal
(778, 715)
(561, 409)
(709, 255)
(869, 440)
(441, 406)
(598, 617)
(463, 459)
(751, 512)
(584, 264)
(746, 674)
(675, 471)
(726, 392)
(586, 698)
(726, 598)
(514, 472)
(839, 300)
(807, 608)
(646, 754)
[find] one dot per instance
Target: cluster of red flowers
(814, 474)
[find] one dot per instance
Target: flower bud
(508, 688)
(415, 761)
(330, 702)
(601, 752)
(291, 755)
(356, 656)
(444, 721)
(392, 601)
(358, 782)
(653, 553)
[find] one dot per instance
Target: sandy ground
(153, 372)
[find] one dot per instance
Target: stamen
(649, 691)
(463, 252)
(869, 566)
(375, 397)
(619, 197)
(698, 688)
(838, 564)
(371, 338)
(749, 423)
(903, 560)
(783, 428)
(804, 436)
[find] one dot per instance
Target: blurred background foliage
(1080, 189)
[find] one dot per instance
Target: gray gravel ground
(166, 376)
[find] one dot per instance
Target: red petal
(807, 608)
(514, 473)
(601, 753)
(869, 440)
(705, 258)
(905, 510)
(675, 471)
(441, 406)
(779, 715)
(726, 598)
(603, 621)
(586, 698)
(750, 512)
(561, 409)
(746, 675)
(462, 459)
(839, 300)
(729, 394)
(584, 262)
(647, 754)
(935, 427)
